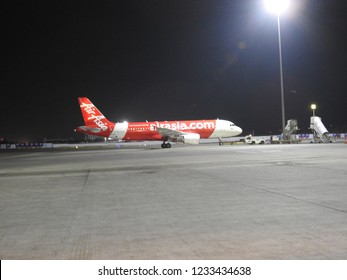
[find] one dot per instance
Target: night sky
(170, 60)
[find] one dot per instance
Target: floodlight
(277, 6)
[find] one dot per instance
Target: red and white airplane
(188, 131)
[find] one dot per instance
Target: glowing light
(242, 45)
(277, 6)
(313, 106)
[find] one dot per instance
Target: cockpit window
(231, 124)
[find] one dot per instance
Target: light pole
(313, 107)
(312, 122)
(278, 7)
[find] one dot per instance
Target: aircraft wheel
(221, 143)
(166, 145)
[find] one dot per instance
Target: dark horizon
(170, 60)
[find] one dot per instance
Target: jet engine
(189, 138)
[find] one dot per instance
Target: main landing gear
(220, 142)
(166, 145)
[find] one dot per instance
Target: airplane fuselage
(149, 130)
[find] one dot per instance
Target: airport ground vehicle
(249, 139)
(274, 139)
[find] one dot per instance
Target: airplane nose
(239, 130)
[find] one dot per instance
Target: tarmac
(188, 202)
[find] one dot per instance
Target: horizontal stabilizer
(88, 129)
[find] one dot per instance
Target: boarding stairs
(289, 132)
(320, 133)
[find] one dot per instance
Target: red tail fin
(95, 121)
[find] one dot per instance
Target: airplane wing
(166, 132)
(179, 136)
